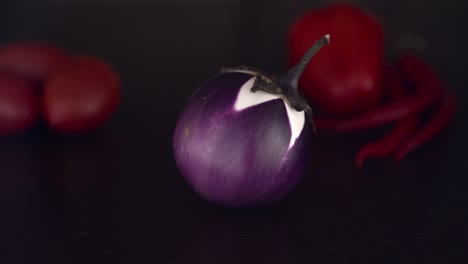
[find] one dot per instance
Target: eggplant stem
(295, 73)
(286, 84)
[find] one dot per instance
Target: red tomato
(31, 59)
(81, 95)
(343, 78)
(18, 104)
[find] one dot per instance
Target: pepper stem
(295, 73)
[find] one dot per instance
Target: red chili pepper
(421, 75)
(425, 94)
(390, 143)
(440, 119)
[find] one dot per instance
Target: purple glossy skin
(237, 158)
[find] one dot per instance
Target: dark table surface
(116, 196)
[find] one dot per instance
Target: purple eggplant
(243, 138)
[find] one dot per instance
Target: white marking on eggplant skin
(246, 99)
(296, 122)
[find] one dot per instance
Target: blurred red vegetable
(33, 60)
(409, 104)
(81, 95)
(345, 85)
(344, 79)
(390, 143)
(419, 74)
(18, 104)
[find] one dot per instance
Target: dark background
(115, 195)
